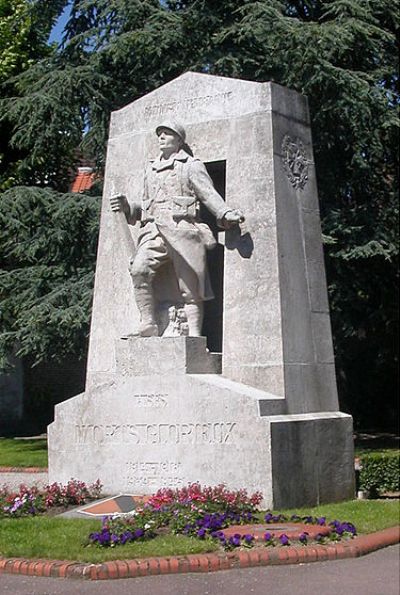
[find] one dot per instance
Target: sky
(58, 28)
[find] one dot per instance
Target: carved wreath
(295, 161)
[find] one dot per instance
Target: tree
(49, 243)
(341, 53)
(24, 31)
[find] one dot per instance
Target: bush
(380, 471)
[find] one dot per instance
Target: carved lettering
(219, 432)
(156, 400)
(176, 106)
(154, 473)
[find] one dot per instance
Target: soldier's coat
(170, 226)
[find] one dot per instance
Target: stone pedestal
(158, 412)
(165, 355)
(140, 433)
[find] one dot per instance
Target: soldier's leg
(151, 254)
(193, 284)
(195, 313)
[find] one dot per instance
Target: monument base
(141, 433)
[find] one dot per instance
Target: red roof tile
(84, 179)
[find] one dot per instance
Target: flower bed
(204, 513)
(33, 500)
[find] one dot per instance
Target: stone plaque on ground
(253, 402)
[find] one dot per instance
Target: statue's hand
(232, 218)
(119, 202)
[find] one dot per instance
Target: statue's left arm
(204, 190)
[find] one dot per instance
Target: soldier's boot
(195, 314)
(145, 303)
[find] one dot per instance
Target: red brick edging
(23, 469)
(358, 546)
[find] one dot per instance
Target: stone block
(312, 459)
(139, 434)
(137, 356)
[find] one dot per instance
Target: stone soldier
(171, 231)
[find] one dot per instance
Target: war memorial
(210, 355)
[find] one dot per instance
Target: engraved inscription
(151, 400)
(153, 474)
(160, 109)
(219, 432)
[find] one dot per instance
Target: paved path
(375, 574)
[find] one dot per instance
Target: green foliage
(46, 278)
(380, 471)
(342, 54)
(24, 30)
(23, 36)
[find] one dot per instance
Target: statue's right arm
(119, 203)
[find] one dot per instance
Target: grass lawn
(367, 515)
(23, 453)
(65, 539)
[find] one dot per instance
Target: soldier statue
(170, 229)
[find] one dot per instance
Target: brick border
(354, 548)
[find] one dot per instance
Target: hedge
(380, 471)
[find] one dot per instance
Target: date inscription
(153, 474)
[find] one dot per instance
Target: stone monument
(246, 397)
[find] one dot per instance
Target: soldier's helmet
(174, 126)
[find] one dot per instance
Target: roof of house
(83, 180)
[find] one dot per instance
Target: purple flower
(268, 517)
(138, 533)
(235, 540)
(352, 530)
(104, 537)
(319, 537)
(303, 537)
(129, 535)
(349, 528)
(321, 520)
(248, 538)
(284, 539)
(268, 536)
(201, 533)
(94, 536)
